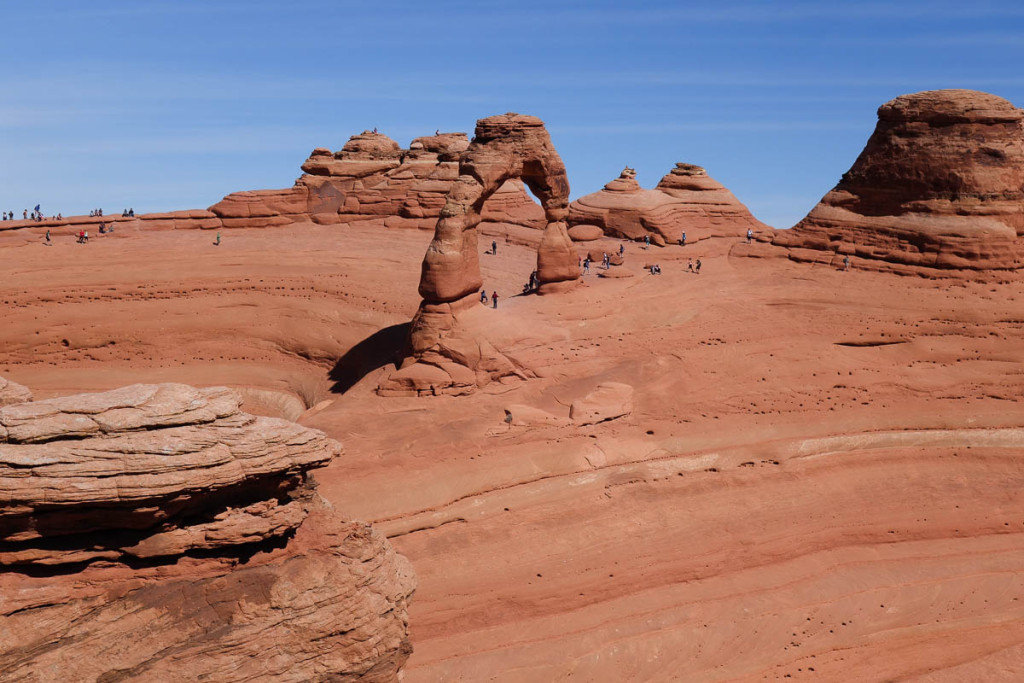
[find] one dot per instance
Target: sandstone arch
(447, 352)
(503, 147)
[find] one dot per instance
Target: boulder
(12, 392)
(585, 233)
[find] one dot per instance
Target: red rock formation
(373, 179)
(370, 180)
(686, 200)
(939, 188)
(446, 355)
(157, 531)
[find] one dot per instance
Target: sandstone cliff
(156, 532)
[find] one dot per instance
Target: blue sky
(168, 105)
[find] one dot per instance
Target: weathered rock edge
(157, 532)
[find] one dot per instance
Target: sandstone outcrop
(371, 180)
(939, 188)
(446, 356)
(158, 531)
(686, 200)
(12, 392)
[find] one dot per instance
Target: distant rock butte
(938, 189)
(157, 531)
(371, 181)
(686, 200)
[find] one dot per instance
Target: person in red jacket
(494, 299)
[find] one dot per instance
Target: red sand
(821, 476)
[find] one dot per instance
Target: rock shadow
(381, 348)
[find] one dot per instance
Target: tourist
(85, 236)
(103, 229)
(47, 235)
(586, 265)
(682, 239)
(606, 261)
(698, 267)
(131, 213)
(622, 249)
(494, 247)
(689, 266)
(24, 215)
(483, 296)
(647, 241)
(750, 235)
(494, 299)
(217, 243)
(846, 262)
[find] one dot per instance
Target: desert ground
(820, 477)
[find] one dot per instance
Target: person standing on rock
(494, 247)
(494, 299)
(217, 243)
(698, 267)
(48, 243)
(689, 265)
(750, 235)
(846, 262)
(483, 296)
(622, 249)
(682, 240)
(586, 265)
(647, 241)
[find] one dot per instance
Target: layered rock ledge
(158, 531)
(938, 190)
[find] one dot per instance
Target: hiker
(698, 266)
(494, 299)
(647, 241)
(217, 243)
(47, 235)
(86, 236)
(586, 265)
(483, 296)
(846, 262)
(103, 229)
(622, 249)
(534, 280)
(494, 247)
(689, 266)
(682, 240)
(131, 213)
(750, 235)
(24, 215)
(606, 262)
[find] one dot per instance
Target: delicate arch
(503, 147)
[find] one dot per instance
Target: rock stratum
(687, 200)
(156, 532)
(371, 180)
(938, 189)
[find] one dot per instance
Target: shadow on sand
(381, 348)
